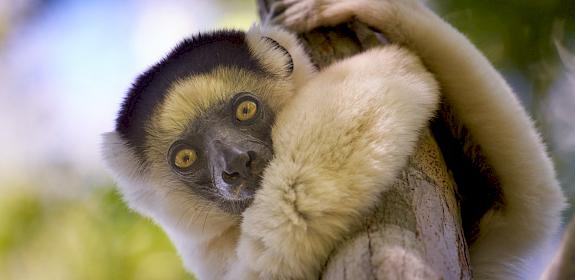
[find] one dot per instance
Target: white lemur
(256, 165)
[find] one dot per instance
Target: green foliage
(513, 33)
(95, 237)
(518, 38)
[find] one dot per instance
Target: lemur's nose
(237, 164)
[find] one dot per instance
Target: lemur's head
(194, 131)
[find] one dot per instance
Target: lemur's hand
(277, 242)
(304, 15)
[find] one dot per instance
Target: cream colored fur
(339, 142)
(533, 199)
(204, 236)
(340, 139)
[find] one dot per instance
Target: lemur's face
(194, 132)
(222, 154)
(211, 136)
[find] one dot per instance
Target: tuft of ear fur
(280, 52)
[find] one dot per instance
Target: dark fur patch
(478, 187)
(197, 55)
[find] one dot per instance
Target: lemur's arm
(484, 103)
(338, 145)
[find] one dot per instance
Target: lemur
(257, 165)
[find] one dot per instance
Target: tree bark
(416, 231)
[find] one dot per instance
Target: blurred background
(66, 64)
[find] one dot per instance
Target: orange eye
(246, 110)
(185, 158)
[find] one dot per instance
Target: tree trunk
(416, 232)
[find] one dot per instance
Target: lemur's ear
(270, 50)
(288, 67)
(280, 53)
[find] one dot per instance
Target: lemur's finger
(294, 15)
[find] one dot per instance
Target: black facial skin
(231, 154)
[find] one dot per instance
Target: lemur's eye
(245, 107)
(185, 158)
(246, 110)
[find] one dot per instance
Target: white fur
(203, 235)
(532, 197)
